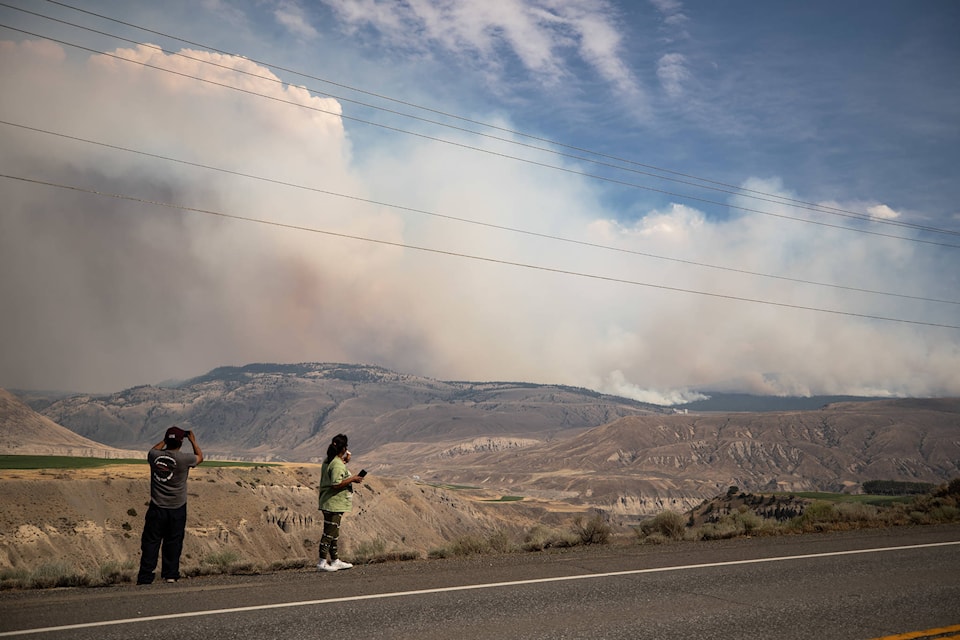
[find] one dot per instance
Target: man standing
(166, 516)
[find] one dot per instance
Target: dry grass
(731, 517)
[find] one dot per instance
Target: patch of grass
(867, 498)
(46, 576)
(292, 563)
(61, 462)
(504, 499)
(377, 551)
(225, 561)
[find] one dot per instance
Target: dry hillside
(265, 516)
(23, 431)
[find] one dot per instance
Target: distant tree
(895, 488)
(732, 491)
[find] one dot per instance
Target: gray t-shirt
(168, 476)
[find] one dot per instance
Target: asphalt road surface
(900, 583)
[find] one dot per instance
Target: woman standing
(336, 498)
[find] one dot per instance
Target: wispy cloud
(673, 74)
(292, 16)
(540, 34)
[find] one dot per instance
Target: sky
(649, 199)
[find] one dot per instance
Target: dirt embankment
(266, 516)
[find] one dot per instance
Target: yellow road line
(929, 633)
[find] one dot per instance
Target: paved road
(855, 585)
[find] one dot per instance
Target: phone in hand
(362, 473)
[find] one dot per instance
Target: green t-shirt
(333, 473)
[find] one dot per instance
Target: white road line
(466, 587)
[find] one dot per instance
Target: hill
(25, 432)
(640, 465)
(290, 412)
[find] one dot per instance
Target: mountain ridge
(546, 441)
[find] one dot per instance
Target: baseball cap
(174, 436)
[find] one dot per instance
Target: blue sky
(644, 198)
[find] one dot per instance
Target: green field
(71, 462)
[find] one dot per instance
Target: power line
(494, 153)
(728, 188)
(472, 257)
(470, 221)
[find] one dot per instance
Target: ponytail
(337, 446)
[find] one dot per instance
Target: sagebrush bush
(669, 524)
(721, 530)
(594, 530)
(58, 574)
(113, 572)
(469, 545)
(540, 538)
(223, 558)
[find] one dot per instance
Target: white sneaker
(325, 566)
(340, 564)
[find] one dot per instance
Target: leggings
(331, 534)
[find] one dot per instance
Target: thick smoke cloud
(101, 293)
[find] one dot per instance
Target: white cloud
(882, 211)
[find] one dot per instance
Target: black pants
(162, 527)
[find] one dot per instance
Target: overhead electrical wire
(473, 222)
(739, 190)
(729, 189)
(495, 153)
(470, 256)
(273, 79)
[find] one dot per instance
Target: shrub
(499, 542)
(747, 521)
(595, 530)
(669, 524)
(376, 551)
(14, 578)
(857, 512)
(113, 572)
(57, 574)
(722, 530)
(224, 561)
(819, 516)
(654, 538)
(291, 563)
(469, 545)
(945, 513)
(540, 538)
